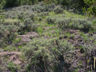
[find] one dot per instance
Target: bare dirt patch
(12, 56)
(27, 37)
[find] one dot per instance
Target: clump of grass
(10, 48)
(39, 30)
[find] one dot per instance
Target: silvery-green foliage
(28, 23)
(88, 48)
(34, 27)
(21, 25)
(51, 20)
(44, 14)
(32, 16)
(43, 8)
(50, 7)
(20, 16)
(8, 33)
(12, 28)
(58, 10)
(9, 28)
(63, 22)
(43, 53)
(82, 24)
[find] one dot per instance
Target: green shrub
(12, 67)
(8, 33)
(50, 7)
(94, 21)
(51, 20)
(58, 10)
(11, 22)
(20, 16)
(43, 8)
(63, 22)
(33, 17)
(8, 29)
(40, 18)
(38, 10)
(82, 24)
(28, 24)
(21, 29)
(91, 7)
(47, 55)
(40, 29)
(44, 14)
(88, 48)
(34, 27)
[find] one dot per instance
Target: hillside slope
(46, 38)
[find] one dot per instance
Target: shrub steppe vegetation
(46, 38)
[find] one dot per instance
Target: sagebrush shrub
(38, 8)
(88, 48)
(32, 16)
(34, 27)
(51, 20)
(44, 14)
(58, 10)
(47, 55)
(8, 29)
(63, 22)
(28, 23)
(82, 24)
(43, 8)
(8, 32)
(50, 7)
(20, 16)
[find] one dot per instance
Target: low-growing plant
(11, 22)
(82, 24)
(94, 21)
(47, 55)
(58, 10)
(51, 20)
(40, 29)
(17, 40)
(8, 33)
(88, 48)
(34, 27)
(10, 48)
(20, 16)
(28, 24)
(44, 14)
(40, 18)
(32, 16)
(11, 67)
(50, 7)
(63, 22)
